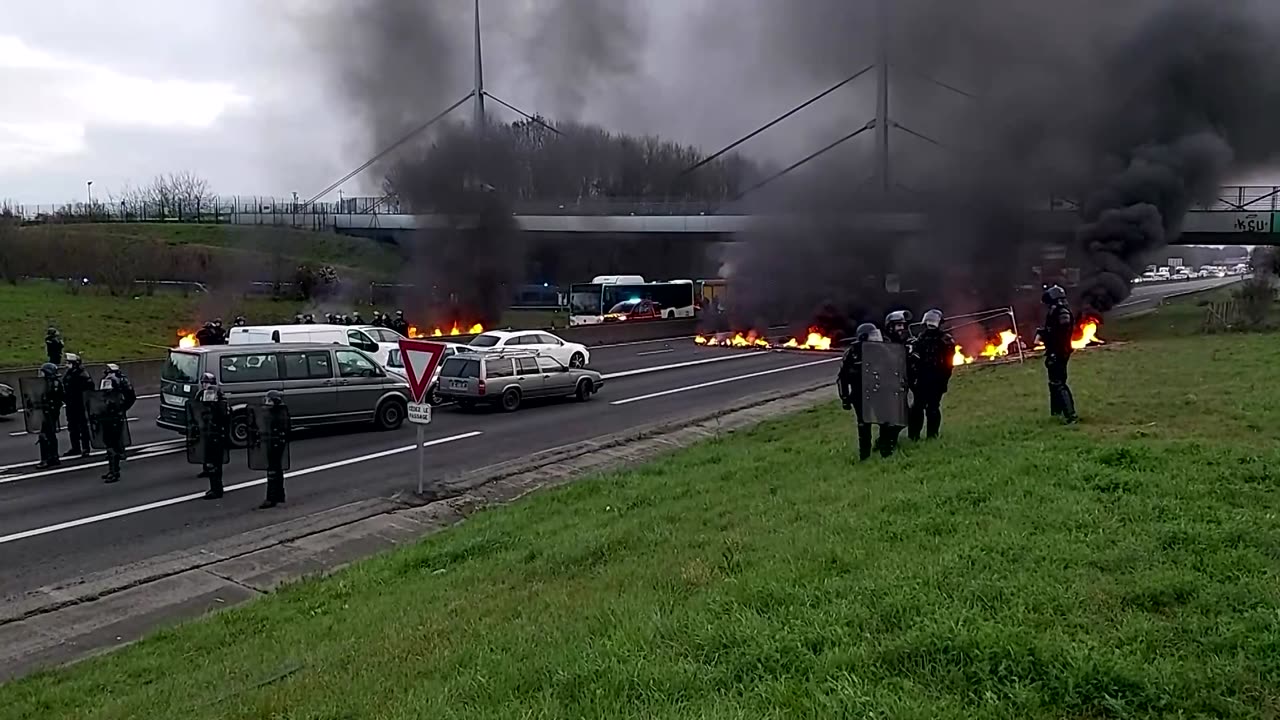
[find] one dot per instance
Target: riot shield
(32, 389)
(884, 383)
(269, 429)
(108, 426)
(204, 438)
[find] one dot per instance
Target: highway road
(1147, 295)
(57, 525)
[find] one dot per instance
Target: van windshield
(181, 368)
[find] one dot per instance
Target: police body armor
(884, 383)
(108, 426)
(269, 428)
(39, 401)
(207, 441)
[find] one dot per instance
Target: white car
(395, 366)
(538, 341)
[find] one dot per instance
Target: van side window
(313, 365)
(249, 367)
(361, 341)
(354, 365)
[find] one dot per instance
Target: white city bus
(628, 298)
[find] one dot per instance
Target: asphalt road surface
(1148, 295)
(57, 525)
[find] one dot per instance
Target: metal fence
(255, 209)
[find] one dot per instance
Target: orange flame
(1000, 349)
(187, 339)
(815, 341)
(700, 340)
(454, 331)
(1086, 335)
(413, 332)
(959, 358)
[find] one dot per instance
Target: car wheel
(433, 396)
(239, 431)
(390, 415)
(584, 390)
(577, 360)
(510, 400)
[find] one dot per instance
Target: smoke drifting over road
(1138, 112)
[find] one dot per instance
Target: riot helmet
(240, 321)
(208, 379)
(275, 397)
(208, 325)
(73, 359)
(51, 332)
(208, 387)
(355, 318)
(112, 369)
(868, 332)
(297, 319)
(933, 319)
(895, 323)
(308, 318)
(1053, 295)
(217, 322)
(49, 370)
(400, 313)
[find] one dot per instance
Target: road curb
(63, 623)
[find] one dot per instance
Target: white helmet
(933, 319)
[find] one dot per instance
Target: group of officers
(395, 322)
(897, 378)
(97, 418)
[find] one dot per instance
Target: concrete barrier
(145, 374)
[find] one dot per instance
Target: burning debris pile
(1009, 342)
(814, 340)
(453, 331)
(187, 339)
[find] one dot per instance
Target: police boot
(1068, 406)
(915, 420)
(113, 469)
(888, 440)
(864, 441)
(935, 423)
(1055, 401)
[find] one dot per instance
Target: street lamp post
(89, 189)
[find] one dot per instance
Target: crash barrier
(145, 374)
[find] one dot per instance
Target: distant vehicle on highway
(366, 338)
(395, 365)
(590, 303)
(506, 379)
(8, 400)
(633, 310)
(323, 384)
(538, 341)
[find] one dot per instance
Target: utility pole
(479, 88)
(882, 94)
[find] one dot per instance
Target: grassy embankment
(1124, 567)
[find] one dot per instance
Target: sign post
(421, 358)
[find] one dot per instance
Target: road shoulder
(68, 622)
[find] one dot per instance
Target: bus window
(585, 300)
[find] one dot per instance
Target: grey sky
(115, 93)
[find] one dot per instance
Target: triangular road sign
(420, 361)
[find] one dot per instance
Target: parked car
(323, 384)
(506, 379)
(359, 337)
(395, 365)
(538, 341)
(8, 400)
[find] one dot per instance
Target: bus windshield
(585, 300)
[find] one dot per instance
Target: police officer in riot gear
(206, 335)
(1059, 325)
(50, 402)
(931, 368)
(356, 319)
(240, 321)
(344, 319)
(208, 424)
(269, 445)
(379, 320)
(297, 319)
(119, 397)
(53, 345)
(849, 386)
(219, 332)
(308, 319)
(399, 324)
(896, 326)
(76, 381)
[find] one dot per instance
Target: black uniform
(115, 423)
(76, 382)
(50, 405)
(206, 335)
(400, 325)
(849, 386)
(53, 348)
(269, 428)
(1059, 326)
(219, 333)
(215, 425)
(930, 371)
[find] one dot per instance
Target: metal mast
(479, 88)
(882, 94)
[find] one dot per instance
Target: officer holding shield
(269, 429)
(41, 405)
(872, 382)
(208, 425)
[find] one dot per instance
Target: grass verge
(1125, 567)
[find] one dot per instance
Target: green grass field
(104, 328)
(1124, 567)
(300, 245)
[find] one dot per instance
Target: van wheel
(577, 360)
(510, 400)
(239, 430)
(584, 390)
(390, 415)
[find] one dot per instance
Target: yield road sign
(420, 361)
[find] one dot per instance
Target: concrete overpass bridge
(1246, 215)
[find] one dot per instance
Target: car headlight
(168, 399)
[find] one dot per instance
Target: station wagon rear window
(461, 367)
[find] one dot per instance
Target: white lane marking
(155, 452)
(722, 381)
(97, 453)
(655, 352)
(79, 522)
(691, 363)
(148, 397)
(63, 431)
